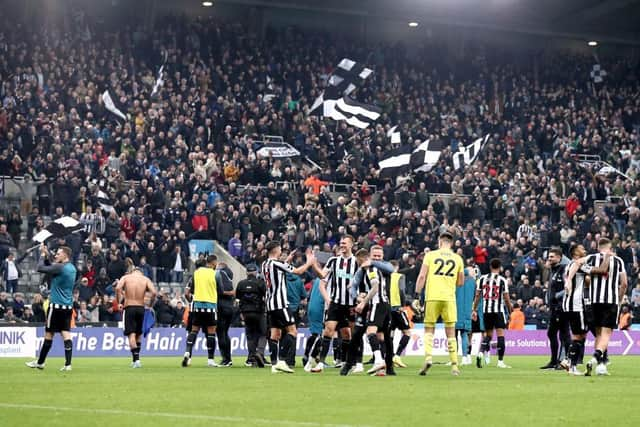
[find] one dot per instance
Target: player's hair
(573, 250)
(362, 253)
(350, 237)
(129, 265)
(375, 247)
(67, 251)
(211, 259)
(270, 246)
(556, 250)
(496, 264)
(446, 236)
(604, 242)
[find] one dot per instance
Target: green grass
(106, 392)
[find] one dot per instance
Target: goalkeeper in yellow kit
(442, 270)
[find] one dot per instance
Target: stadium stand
(184, 166)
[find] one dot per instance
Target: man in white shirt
(10, 273)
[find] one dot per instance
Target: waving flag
(109, 105)
(468, 154)
(61, 227)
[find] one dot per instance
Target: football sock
(428, 346)
(574, 352)
(211, 345)
(337, 349)
(475, 345)
(191, 339)
(486, 344)
(375, 347)
(46, 346)
(317, 346)
(68, 349)
(452, 346)
(598, 355)
(274, 347)
(501, 348)
(309, 345)
(580, 355)
(288, 346)
(326, 343)
(464, 342)
(404, 340)
(344, 349)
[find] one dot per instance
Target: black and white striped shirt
(573, 300)
(274, 274)
(493, 286)
(372, 274)
(524, 231)
(604, 287)
(341, 272)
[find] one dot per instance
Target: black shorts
(58, 319)
(133, 319)
(380, 316)
(343, 314)
(475, 326)
(577, 322)
(361, 319)
(588, 318)
(280, 318)
(494, 321)
(204, 317)
(605, 315)
(399, 320)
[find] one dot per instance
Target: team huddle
(361, 296)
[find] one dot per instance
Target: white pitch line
(239, 420)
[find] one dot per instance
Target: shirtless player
(133, 286)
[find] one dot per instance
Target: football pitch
(106, 392)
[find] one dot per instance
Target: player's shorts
(361, 319)
(204, 317)
(587, 311)
(445, 309)
(379, 316)
(280, 318)
(58, 318)
(576, 321)
(133, 319)
(605, 315)
(476, 326)
(343, 314)
(316, 321)
(399, 320)
(494, 321)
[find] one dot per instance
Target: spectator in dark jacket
(165, 314)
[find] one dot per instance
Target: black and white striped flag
(353, 112)
(394, 135)
(104, 202)
(404, 160)
(468, 154)
(598, 74)
(111, 106)
(347, 76)
(160, 76)
(61, 227)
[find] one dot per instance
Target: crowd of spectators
(184, 164)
